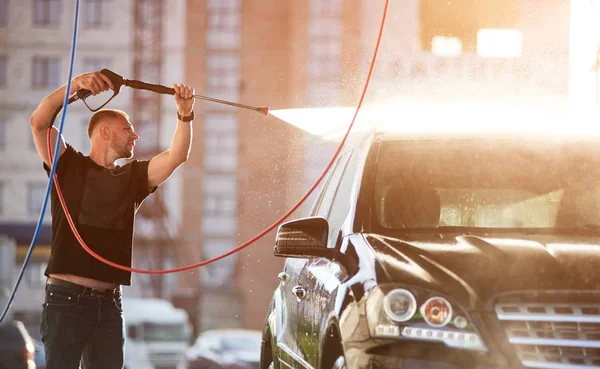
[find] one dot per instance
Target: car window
(164, 332)
(341, 202)
(330, 187)
(242, 342)
(323, 188)
(488, 184)
(208, 342)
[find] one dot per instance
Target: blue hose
(53, 169)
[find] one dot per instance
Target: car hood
(474, 269)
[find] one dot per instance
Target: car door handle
(282, 276)
(299, 292)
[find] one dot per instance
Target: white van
(157, 334)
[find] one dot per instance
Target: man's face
(123, 138)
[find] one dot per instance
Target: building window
(2, 198)
(31, 142)
(223, 73)
(97, 13)
(35, 198)
(220, 153)
(35, 275)
(46, 72)
(3, 70)
(85, 139)
(96, 64)
(148, 132)
(3, 134)
(220, 274)
(443, 46)
(323, 8)
(325, 50)
(499, 43)
(224, 15)
(325, 57)
(220, 142)
(46, 12)
(224, 24)
(3, 12)
(463, 19)
(219, 204)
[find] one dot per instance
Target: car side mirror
(303, 238)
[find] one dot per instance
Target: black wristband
(186, 119)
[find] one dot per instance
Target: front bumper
(375, 354)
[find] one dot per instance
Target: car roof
(13, 331)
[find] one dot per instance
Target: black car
(445, 250)
(16, 346)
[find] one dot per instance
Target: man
(82, 313)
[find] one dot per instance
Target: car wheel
(340, 363)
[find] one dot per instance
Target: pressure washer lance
(119, 81)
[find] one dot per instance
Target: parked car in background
(157, 334)
(225, 349)
(40, 355)
(446, 247)
(16, 346)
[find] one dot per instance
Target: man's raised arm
(164, 164)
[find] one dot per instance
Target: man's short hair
(102, 114)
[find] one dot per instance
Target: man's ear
(104, 132)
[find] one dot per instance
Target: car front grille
(553, 335)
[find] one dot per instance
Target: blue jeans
(78, 328)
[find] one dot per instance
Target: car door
(321, 277)
(290, 296)
(288, 314)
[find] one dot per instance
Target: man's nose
(135, 136)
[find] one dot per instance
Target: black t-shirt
(102, 203)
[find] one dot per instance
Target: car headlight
(437, 312)
(418, 314)
(400, 305)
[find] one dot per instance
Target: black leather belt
(87, 291)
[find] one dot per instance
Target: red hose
(261, 234)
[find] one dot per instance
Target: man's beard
(122, 150)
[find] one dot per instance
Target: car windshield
(241, 342)
(487, 184)
(164, 332)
